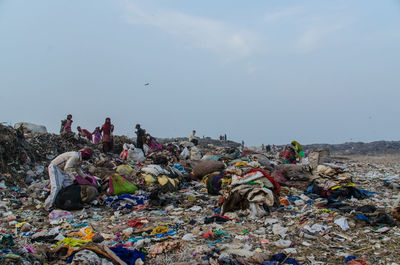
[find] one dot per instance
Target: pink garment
(68, 126)
(97, 137)
(86, 134)
(107, 129)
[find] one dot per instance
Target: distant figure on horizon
(84, 133)
(66, 125)
(140, 137)
(96, 135)
(268, 148)
(193, 139)
(107, 139)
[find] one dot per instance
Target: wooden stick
(115, 257)
(358, 250)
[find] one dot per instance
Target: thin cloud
(307, 27)
(199, 32)
(314, 36)
(282, 13)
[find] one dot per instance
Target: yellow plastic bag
(125, 170)
(148, 178)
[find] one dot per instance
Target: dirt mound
(359, 148)
(19, 151)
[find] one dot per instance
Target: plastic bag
(185, 153)
(124, 155)
(342, 222)
(125, 170)
(195, 154)
(132, 154)
(146, 149)
(154, 170)
(88, 180)
(120, 185)
(136, 155)
(57, 215)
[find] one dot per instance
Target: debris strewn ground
(247, 208)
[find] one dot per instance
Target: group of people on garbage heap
(65, 170)
(103, 133)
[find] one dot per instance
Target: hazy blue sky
(261, 71)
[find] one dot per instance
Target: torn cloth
(137, 223)
(277, 187)
(127, 255)
(125, 201)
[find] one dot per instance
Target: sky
(259, 71)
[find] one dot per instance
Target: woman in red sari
(107, 140)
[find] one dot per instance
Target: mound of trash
(177, 203)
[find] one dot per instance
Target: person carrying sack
(62, 171)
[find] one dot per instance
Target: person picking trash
(140, 137)
(62, 170)
(193, 139)
(298, 149)
(84, 133)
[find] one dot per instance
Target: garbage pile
(185, 204)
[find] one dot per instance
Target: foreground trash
(204, 204)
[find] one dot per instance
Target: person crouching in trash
(298, 149)
(62, 170)
(289, 154)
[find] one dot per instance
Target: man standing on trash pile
(268, 148)
(66, 125)
(62, 170)
(84, 133)
(193, 139)
(140, 137)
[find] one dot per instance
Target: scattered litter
(210, 203)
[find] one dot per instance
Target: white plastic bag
(185, 153)
(146, 149)
(136, 155)
(126, 153)
(342, 222)
(154, 170)
(195, 154)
